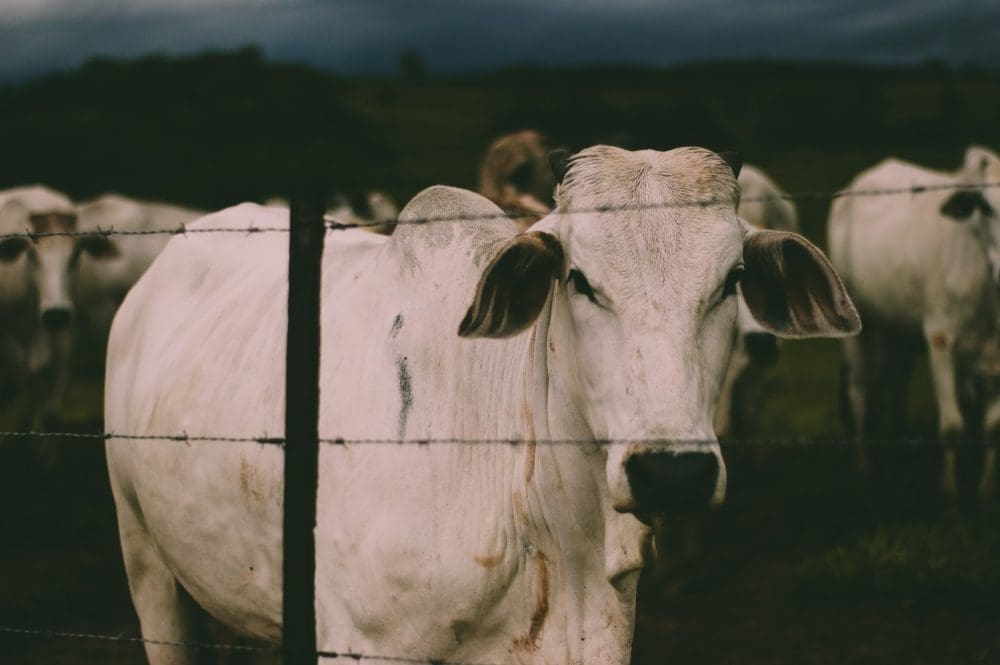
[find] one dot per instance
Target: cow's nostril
(672, 482)
(57, 318)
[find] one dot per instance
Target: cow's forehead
(661, 213)
(605, 176)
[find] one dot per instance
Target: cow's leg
(166, 612)
(991, 423)
(856, 393)
(951, 424)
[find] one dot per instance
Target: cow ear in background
(961, 205)
(559, 162)
(792, 290)
(99, 247)
(514, 287)
(734, 160)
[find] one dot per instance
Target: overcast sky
(37, 36)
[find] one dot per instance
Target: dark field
(807, 562)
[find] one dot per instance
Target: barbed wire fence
(302, 439)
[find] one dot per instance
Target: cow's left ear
(792, 290)
(514, 287)
(961, 205)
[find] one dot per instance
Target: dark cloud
(365, 36)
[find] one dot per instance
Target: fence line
(775, 441)
(219, 646)
(331, 224)
(335, 225)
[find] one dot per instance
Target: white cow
(590, 327)
(36, 309)
(116, 262)
(928, 264)
(754, 349)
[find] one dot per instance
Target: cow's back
(897, 254)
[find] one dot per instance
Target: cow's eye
(732, 279)
(581, 285)
(11, 248)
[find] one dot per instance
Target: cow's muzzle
(673, 482)
(57, 318)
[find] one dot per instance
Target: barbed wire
(336, 225)
(786, 442)
(130, 639)
(220, 646)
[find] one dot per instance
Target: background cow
(924, 264)
(36, 307)
(115, 262)
(375, 211)
(755, 349)
(515, 175)
(590, 327)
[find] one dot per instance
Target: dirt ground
(738, 597)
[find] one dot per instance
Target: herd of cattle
(627, 298)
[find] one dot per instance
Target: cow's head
(41, 263)
(977, 207)
(640, 264)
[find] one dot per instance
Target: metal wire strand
(335, 225)
(217, 646)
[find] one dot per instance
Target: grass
(911, 562)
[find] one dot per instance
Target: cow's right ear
(514, 287)
(792, 290)
(962, 204)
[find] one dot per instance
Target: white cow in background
(36, 309)
(611, 329)
(927, 264)
(755, 349)
(376, 211)
(116, 262)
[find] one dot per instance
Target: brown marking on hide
(529, 642)
(939, 341)
(519, 508)
(52, 222)
(248, 484)
(529, 462)
(489, 560)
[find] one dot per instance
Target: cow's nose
(672, 482)
(57, 318)
(761, 346)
